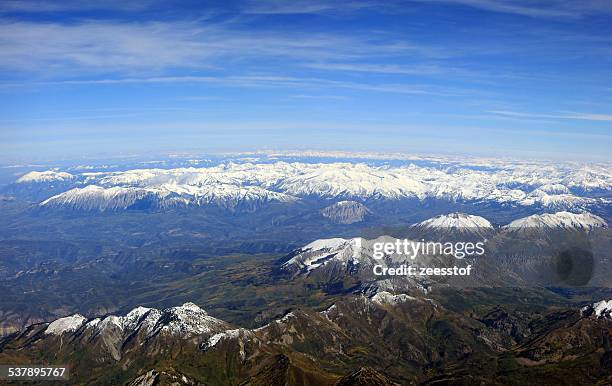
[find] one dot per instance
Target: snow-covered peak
(352, 180)
(455, 221)
(554, 189)
(46, 176)
(93, 197)
(185, 320)
(384, 297)
(187, 308)
(137, 312)
(559, 220)
(320, 252)
(189, 319)
(601, 309)
(325, 244)
(138, 315)
(543, 199)
(66, 324)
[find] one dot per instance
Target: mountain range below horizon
(248, 185)
(103, 266)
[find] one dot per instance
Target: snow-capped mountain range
(232, 185)
(357, 253)
(190, 322)
(383, 321)
(185, 320)
(93, 197)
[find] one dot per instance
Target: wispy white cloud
(438, 69)
(537, 9)
(291, 82)
(541, 8)
(100, 114)
(275, 7)
(562, 116)
(201, 98)
(99, 46)
(39, 6)
(131, 47)
(379, 68)
(329, 97)
(279, 7)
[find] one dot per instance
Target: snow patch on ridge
(66, 324)
(384, 297)
(456, 220)
(324, 244)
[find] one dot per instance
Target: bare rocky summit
(346, 212)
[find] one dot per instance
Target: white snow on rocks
(456, 221)
(601, 309)
(93, 197)
(46, 176)
(67, 324)
(186, 320)
(384, 297)
(559, 220)
(319, 252)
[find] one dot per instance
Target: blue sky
(528, 79)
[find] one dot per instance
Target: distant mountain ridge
(97, 198)
(231, 185)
